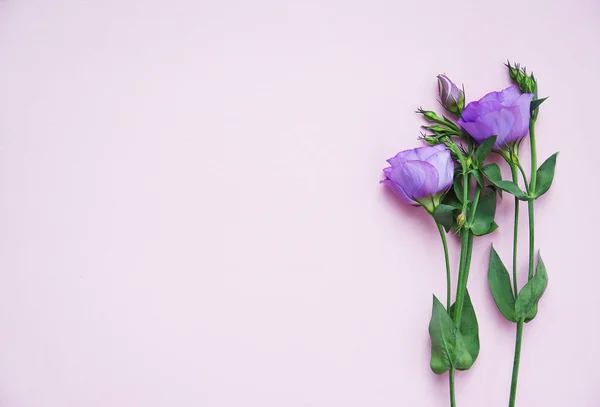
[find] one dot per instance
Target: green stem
(515, 175)
(515, 373)
(465, 258)
(462, 283)
(520, 167)
(532, 191)
(448, 279)
(451, 381)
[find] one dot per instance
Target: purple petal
(524, 103)
(398, 191)
(442, 161)
(418, 179)
(477, 129)
(500, 124)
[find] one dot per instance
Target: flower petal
(477, 129)
(442, 161)
(500, 124)
(418, 179)
(398, 191)
(524, 103)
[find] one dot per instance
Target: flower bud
(527, 82)
(461, 219)
(451, 97)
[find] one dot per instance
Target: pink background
(190, 213)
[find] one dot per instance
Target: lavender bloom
(420, 176)
(451, 97)
(503, 114)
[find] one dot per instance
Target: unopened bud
(451, 97)
(461, 219)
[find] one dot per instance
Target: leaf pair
(524, 306)
(452, 347)
(545, 176)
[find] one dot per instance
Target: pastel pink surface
(190, 212)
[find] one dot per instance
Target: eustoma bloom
(420, 176)
(503, 114)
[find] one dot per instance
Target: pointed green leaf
(499, 282)
(457, 185)
(531, 292)
(478, 177)
(484, 215)
(545, 175)
(484, 149)
(492, 228)
(492, 172)
(448, 348)
(536, 103)
(532, 313)
(511, 188)
(469, 328)
(445, 215)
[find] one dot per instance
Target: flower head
(420, 176)
(503, 114)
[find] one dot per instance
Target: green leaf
(458, 186)
(478, 177)
(484, 215)
(469, 328)
(444, 215)
(532, 292)
(532, 314)
(499, 282)
(536, 103)
(484, 149)
(545, 175)
(451, 199)
(492, 172)
(448, 348)
(492, 228)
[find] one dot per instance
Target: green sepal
(484, 215)
(536, 103)
(469, 328)
(545, 175)
(448, 348)
(531, 292)
(484, 149)
(499, 281)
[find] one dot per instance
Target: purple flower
(503, 114)
(451, 97)
(420, 176)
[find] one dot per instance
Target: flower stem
(448, 279)
(532, 191)
(515, 373)
(515, 175)
(451, 381)
(465, 257)
(520, 167)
